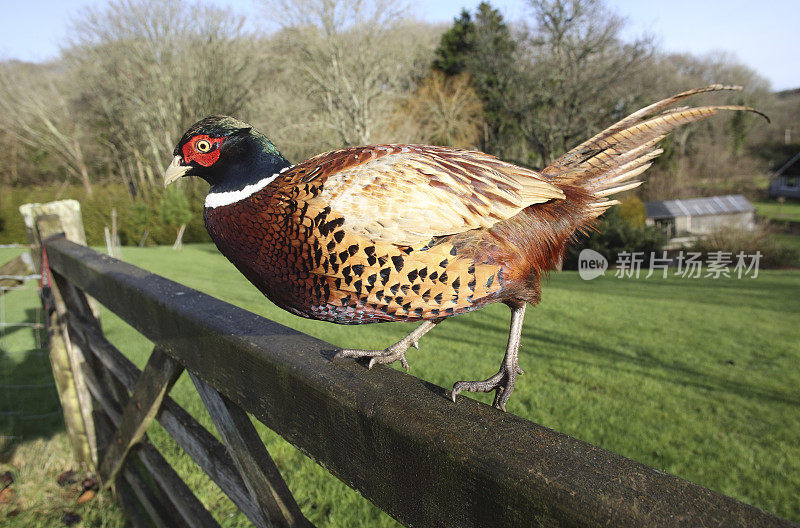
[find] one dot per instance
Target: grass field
(33, 445)
(788, 211)
(698, 378)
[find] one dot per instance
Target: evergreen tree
(456, 46)
(483, 47)
(492, 67)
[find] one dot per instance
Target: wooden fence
(396, 439)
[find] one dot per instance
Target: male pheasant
(411, 232)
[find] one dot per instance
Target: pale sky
(764, 35)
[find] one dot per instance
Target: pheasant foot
(502, 382)
(392, 353)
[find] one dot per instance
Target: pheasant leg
(391, 353)
(503, 381)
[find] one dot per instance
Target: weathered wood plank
(155, 509)
(191, 509)
(395, 438)
(65, 385)
(160, 373)
(110, 406)
(70, 222)
(152, 506)
(207, 452)
(65, 358)
(133, 513)
(82, 313)
(68, 307)
(260, 474)
(178, 494)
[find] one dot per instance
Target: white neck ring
(218, 199)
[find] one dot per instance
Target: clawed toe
(386, 356)
(396, 352)
(502, 383)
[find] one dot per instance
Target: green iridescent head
(226, 152)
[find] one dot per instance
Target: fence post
(43, 221)
(70, 221)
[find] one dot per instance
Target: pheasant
(412, 232)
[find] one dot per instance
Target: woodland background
(100, 122)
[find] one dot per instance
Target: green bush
(633, 211)
(139, 220)
(175, 208)
(133, 216)
(615, 235)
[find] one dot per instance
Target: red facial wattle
(206, 159)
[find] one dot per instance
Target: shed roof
(713, 205)
(788, 167)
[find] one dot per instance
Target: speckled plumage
(299, 252)
(411, 232)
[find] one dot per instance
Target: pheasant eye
(203, 145)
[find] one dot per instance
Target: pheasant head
(227, 153)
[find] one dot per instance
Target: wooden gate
(396, 439)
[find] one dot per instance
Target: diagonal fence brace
(157, 379)
(259, 472)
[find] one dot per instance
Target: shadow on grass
(665, 371)
(662, 370)
(29, 405)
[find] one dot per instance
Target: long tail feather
(608, 163)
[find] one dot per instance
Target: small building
(785, 180)
(688, 218)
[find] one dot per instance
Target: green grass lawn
(33, 445)
(788, 240)
(789, 211)
(698, 378)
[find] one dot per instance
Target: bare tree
(149, 68)
(40, 115)
(351, 56)
(442, 111)
(575, 72)
(711, 157)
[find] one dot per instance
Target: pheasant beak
(175, 170)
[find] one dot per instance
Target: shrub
(616, 234)
(96, 211)
(632, 210)
(176, 212)
(774, 254)
(139, 220)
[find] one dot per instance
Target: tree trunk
(82, 170)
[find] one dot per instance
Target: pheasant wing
(407, 194)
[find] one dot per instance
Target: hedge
(96, 210)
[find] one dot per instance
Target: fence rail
(396, 439)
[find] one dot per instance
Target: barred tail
(611, 161)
